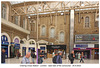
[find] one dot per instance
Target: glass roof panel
(16, 2)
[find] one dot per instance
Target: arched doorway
(16, 41)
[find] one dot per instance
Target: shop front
(4, 44)
(86, 52)
(86, 43)
(87, 49)
(16, 46)
(56, 48)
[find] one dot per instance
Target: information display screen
(87, 38)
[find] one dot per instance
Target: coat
(2, 57)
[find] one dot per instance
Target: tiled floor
(49, 61)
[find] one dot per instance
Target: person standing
(76, 55)
(71, 57)
(53, 54)
(3, 56)
(82, 55)
(59, 59)
(17, 54)
(79, 55)
(41, 55)
(25, 59)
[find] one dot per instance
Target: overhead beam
(50, 9)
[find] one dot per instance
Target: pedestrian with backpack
(57, 58)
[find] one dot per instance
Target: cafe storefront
(56, 48)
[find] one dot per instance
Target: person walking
(59, 58)
(33, 56)
(25, 59)
(3, 56)
(71, 57)
(82, 56)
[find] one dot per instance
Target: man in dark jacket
(3, 56)
(71, 57)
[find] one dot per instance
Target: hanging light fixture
(62, 13)
(29, 17)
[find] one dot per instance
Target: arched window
(97, 22)
(61, 37)
(43, 31)
(16, 20)
(32, 43)
(52, 32)
(4, 11)
(4, 38)
(87, 21)
(16, 40)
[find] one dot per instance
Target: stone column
(71, 30)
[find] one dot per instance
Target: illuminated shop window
(87, 21)
(4, 12)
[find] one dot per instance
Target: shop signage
(11, 42)
(4, 46)
(56, 47)
(17, 46)
(5, 43)
(87, 38)
(81, 46)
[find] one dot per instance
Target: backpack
(54, 59)
(59, 60)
